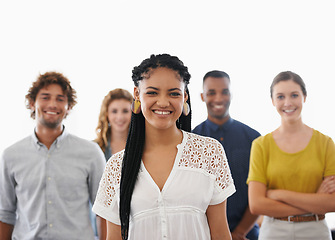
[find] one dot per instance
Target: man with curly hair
(48, 179)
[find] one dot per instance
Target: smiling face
(119, 115)
(288, 99)
(162, 95)
(50, 106)
(217, 97)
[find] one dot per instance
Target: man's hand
(238, 236)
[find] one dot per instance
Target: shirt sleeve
(330, 158)
(97, 167)
(7, 196)
(106, 204)
(218, 166)
(257, 169)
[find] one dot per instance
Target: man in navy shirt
(236, 139)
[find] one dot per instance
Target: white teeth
(51, 113)
(162, 112)
(288, 111)
(218, 106)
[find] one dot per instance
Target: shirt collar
(59, 140)
(216, 127)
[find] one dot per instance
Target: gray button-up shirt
(45, 193)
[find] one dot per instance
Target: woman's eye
(280, 97)
(151, 93)
(175, 94)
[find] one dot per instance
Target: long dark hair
(136, 136)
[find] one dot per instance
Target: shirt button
(48, 155)
(50, 225)
(50, 202)
(49, 178)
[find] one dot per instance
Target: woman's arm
(113, 231)
(101, 227)
(327, 185)
(217, 221)
(320, 203)
(6, 231)
(261, 204)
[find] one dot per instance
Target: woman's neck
(292, 127)
(119, 136)
(118, 141)
(159, 138)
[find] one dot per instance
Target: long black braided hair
(136, 136)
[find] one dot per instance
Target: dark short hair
(215, 74)
(288, 75)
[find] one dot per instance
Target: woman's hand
(327, 185)
(274, 194)
(309, 202)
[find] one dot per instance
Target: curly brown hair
(102, 130)
(45, 80)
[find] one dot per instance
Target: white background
(97, 43)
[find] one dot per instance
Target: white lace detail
(206, 154)
(110, 180)
(199, 152)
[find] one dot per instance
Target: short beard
(51, 125)
(219, 117)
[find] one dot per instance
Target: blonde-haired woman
(112, 129)
(114, 120)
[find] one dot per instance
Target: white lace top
(200, 177)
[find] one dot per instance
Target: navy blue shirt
(236, 138)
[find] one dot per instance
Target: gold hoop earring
(186, 109)
(136, 106)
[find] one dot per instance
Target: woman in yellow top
(291, 177)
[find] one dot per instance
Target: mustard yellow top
(302, 171)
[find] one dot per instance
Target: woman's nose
(163, 102)
(287, 102)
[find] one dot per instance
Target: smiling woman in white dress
(168, 183)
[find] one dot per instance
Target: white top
(200, 177)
